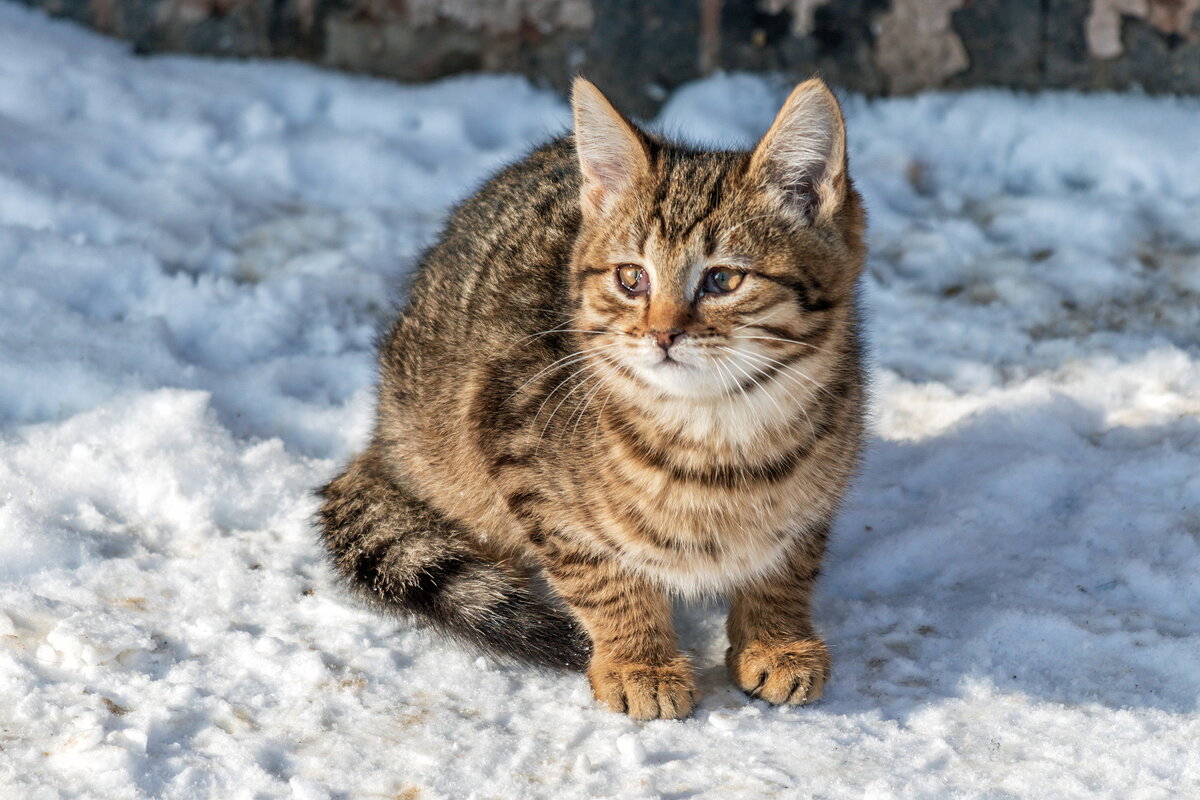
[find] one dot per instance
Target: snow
(194, 258)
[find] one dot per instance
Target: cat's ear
(612, 152)
(802, 157)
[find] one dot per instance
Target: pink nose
(667, 338)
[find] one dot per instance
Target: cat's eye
(633, 279)
(720, 280)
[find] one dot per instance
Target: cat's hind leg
(404, 555)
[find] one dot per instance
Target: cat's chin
(684, 381)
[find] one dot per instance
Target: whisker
(749, 376)
(554, 391)
(811, 427)
(549, 331)
(741, 469)
(779, 339)
(753, 379)
(579, 413)
(600, 413)
(553, 311)
(722, 370)
(756, 321)
(789, 369)
(733, 381)
(536, 334)
(570, 358)
(721, 377)
(550, 418)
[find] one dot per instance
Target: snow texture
(194, 258)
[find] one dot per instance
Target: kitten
(626, 369)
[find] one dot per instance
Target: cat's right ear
(612, 152)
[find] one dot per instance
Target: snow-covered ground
(193, 259)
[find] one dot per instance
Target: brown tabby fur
(540, 480)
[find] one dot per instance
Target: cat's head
(704, 274)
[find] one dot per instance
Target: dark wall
(638, 50)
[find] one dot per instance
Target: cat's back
(504, 250)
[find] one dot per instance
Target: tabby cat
(627, 369)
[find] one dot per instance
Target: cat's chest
(714, 537)
(703, 522)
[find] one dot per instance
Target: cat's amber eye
(720, 280)
(633, 278)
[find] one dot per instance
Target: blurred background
(640, 50)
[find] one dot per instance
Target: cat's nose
(665, 339)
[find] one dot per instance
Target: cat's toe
(643, 691)
(787, 672)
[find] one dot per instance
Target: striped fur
(530, 422)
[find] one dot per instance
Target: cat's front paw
(786, 672)
(643, 691)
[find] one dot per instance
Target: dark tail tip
(525, 627)
(405, 556)
(478, 604)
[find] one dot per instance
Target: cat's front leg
(775, 653)
(636, 667)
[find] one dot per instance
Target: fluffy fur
(555, 454)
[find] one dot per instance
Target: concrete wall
(638, 50)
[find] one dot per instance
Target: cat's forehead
(690, 187)
(687, 199)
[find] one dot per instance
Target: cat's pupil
(723, 279)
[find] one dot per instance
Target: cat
(627, 369)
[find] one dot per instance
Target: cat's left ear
(802, 157)
(612, 152)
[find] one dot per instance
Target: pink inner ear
(804, 194)
(603, 180)
(593, 194)
(611, 152)
(602, 176)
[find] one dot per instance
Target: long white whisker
(571, 358)
(550, 331)
(779, 339)
(721, 377)
(600, 413)
(550, 418)
(790, 370)
(811, 427)
(582, 410)
(741, 470)
(735, 385)
(554, 391)
(755, 321)
(752, 378)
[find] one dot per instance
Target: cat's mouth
(669, 363)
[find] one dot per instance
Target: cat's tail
(400, 553)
